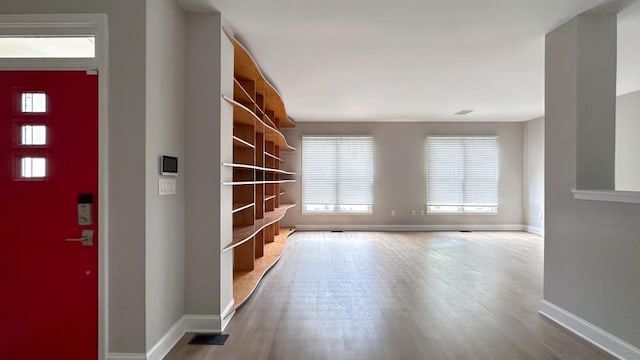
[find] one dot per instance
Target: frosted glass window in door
(33, 135)
(33, 102)
(33, 167)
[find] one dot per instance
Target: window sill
(629, 197)
(461, 213)
(335, 213)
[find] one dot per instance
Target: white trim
(187, 323)
(201, 323)
(126, 356)
(227, 314)
(534, 230)
(79, 24)
(167, 342)
(61, 25)
(453, 227)
(586, 330)
(630, 197)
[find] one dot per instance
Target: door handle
(86, 239)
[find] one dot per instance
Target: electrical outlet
(422, 212)
(393, 213)
(413, 213)
(539, 216)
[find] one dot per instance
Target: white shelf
(253, 167)
(257, 182)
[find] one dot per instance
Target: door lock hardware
(85, 211)
(86, 239)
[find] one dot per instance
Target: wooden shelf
(242, 115)
(259, 168)
(261, 182)
(257, 240)
(238, 142)
(245, 282)
(240, 207)
(245, 67)
(274, 157)
(240, 94)
(242, 234)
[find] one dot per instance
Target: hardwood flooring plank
(417, 295)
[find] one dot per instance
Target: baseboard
(187, 323)
(227, 314)
(167, 342)
(586, 330)
(453, 227)
(534, 230)
(201, 323)
(126, 356)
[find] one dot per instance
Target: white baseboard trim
(227, 315)
(350, 227)
(167, 342)
(126, 356)
(586, 330)
(187, 323)
(201, 323)
(534, 230)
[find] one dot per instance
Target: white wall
(209, 132)
(591, 247)
(399, 172)
(533, 188)
(628, 142)
(165, 125)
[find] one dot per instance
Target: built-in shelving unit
(258, 115)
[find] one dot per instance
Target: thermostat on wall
(169, 165)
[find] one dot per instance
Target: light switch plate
(167, 186)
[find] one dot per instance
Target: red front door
(48, 165)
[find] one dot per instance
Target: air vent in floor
(209, 339)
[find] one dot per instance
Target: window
(33, 135)
(47, 47)
(33, 103)
(337, 174)
(33, 167)
(462, 175)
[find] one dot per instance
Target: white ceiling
(412, 60)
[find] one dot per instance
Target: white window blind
(462, 174)
(337, 174)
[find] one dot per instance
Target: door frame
(69, 25)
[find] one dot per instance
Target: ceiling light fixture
(463, 112)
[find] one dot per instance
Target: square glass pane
(33, 103)
(33, 135)
(32, 167)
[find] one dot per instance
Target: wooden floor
(369, 295)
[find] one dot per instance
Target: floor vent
(337, 231)
(466, 231)
(208, 339)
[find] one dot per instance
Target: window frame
(336, 210)
(461, 211)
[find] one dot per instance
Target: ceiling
(412, 60)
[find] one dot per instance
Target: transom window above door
(48, 47)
